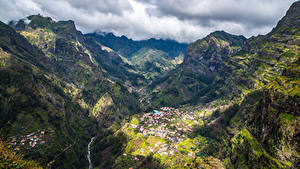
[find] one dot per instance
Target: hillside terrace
(168, 123)
(166, 135)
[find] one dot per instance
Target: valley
(167, 135)
(97, 100)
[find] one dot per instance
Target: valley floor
(167, 135)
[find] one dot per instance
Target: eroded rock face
(270, 131)
(275, 124)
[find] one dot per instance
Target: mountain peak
(39, 21)
(219, 32)
(291, 20)
(235, 40)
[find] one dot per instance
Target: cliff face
(275, 121)
(270, 133)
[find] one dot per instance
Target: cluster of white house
(168, 123)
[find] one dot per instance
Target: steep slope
(50, 83)
(37, 117)
(90, 71)
(62, 41)
(114, 66)
(265, 123)
(205, 69)
(269, 123)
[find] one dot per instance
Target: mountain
(269, 114)
(62, 38)
(127, 47)
(224, 67)
(150, 58)
(91, 71)
(51, 87)
(64, 95)
(153, 63)
(206, 67)
(258, 80)
(34, 101)
(238, 107)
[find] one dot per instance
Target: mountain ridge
(236, 100)
(119, 44)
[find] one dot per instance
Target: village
(28, 141)
(168, 123)
(166, 132)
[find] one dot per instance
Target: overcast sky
(182, 20)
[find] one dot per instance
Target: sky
(181, 20)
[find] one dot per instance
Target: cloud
(104, 6)
(181, 20)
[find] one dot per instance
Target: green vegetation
(237, 99)
(104, 102)
(203, 76)
(247, 152)
(9, 159)
(153, 63)
(128, 47)
(39, 92)
(256, 80)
